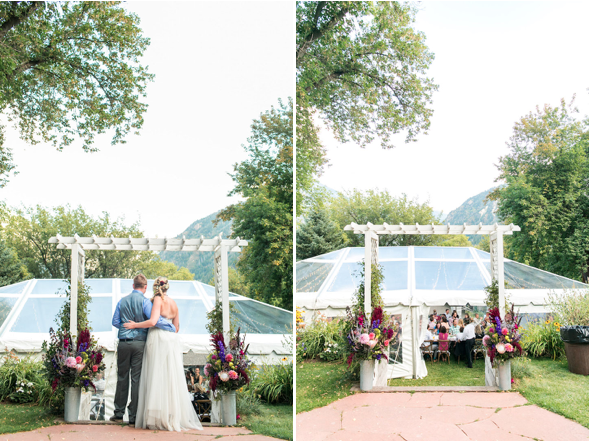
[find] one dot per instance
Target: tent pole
(367, 302)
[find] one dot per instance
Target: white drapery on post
(497, 268)
(371, 258)
(77, 276)
(222, 287)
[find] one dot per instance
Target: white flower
(22, 384)
(29, 384)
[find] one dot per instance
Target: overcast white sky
(218, 65)
(494, 63)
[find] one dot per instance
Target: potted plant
(72, 367)
(502, 342)
(227, 370)
(570, 312)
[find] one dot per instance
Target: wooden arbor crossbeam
(431, 229)
(78, 245)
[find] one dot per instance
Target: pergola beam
(432, 229)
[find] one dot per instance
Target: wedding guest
(434, 346)
(460, 349)
(444, 324)
(469, 336)
(448, 316)
(477, 319)
(432, 322)
(455, 328)
(455, 315)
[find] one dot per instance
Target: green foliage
(20, 379)
(377, 277)
(215, 319)
(11, 268)
(458, 240)
(24, 418)
(476, 209)
(521, 367)
(265, 217)
(321, 383)
(363, 67)
(318, 235)
(314, 339)
(161, 268)
(570, 308)
(63, 316)
(492, 296)
(547, 191)
(273, 383)
(542, 339)
(201, 264)
(70, 69)
(237, 282)
(28, 232)
(378, 207)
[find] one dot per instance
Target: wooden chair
(427, 349)
(203, 409)
(446, 352)
(478, 349)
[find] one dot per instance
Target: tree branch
(15, 19)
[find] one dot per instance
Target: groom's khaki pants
(129, 364)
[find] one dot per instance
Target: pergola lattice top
(148, 244)
(431, 229)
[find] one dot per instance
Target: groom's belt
(132, 339)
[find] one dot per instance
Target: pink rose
(364, 339)
(71, 362)
(505, 331)
(95, 368)
(372, 336)
(229, 357)
(386, 343)
(78, 359)
(233, 375)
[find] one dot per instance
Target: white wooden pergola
(219, 246)
(496, 233)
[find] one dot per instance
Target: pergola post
(76, 276)
(371, 257)
(497, 268)
(222, 287)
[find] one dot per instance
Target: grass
(550, 385)
(275, 420)
(320, 383)
(23, 417)
(444, 374)
(547, 384)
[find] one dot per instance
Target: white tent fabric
(28, 309)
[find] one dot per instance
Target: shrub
(571, 308)
(542, 339)
(21, 379)
(521, 367)
(317, 338)
(247, 402)
(273, 383)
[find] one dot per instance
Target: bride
(164, 402)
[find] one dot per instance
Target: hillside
(473, 211)
(201, 264)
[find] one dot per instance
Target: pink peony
(78, 359)
(372, 336)
(233, 375)
(364, 339)
(485, 339)
(505, 331)
(229, 358)
(95, 368)
(508, 348)
(500, 348)
(224, 376)
(386, 343)
(71, 362)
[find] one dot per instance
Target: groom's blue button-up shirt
(137, 308)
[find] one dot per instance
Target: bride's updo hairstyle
(160, 287)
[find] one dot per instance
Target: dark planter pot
(576, 346)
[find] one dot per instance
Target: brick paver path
(429, 416)
(73, 432)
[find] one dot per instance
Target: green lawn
(319, 384)
(23, 417)
(270, 420)
(547, 384)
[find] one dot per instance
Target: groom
(130, 352)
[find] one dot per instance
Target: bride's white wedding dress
(164, 402)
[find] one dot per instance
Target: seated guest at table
(486, 322)
(478, 331)
(466, 318)
(469, 336)
(436, 315)
(428, 339)
(454, 315)
(477, 319)
(448, 316)
(444, 324)
(443, 335)
(459, 350)
(432, 322)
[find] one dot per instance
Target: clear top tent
(416, 281)
(432, 276)
(28, 309)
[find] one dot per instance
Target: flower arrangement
(69, 365)
(502, 338)
(369, 338)
(227, 367)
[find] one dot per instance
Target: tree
(28, 232)
(318, 235)
(458, 240)
(363, 67)
(547, 191)
(379, 207)
(161, 268)
(236, 282)
(265, 217)
(11, 268)
(70, 69)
